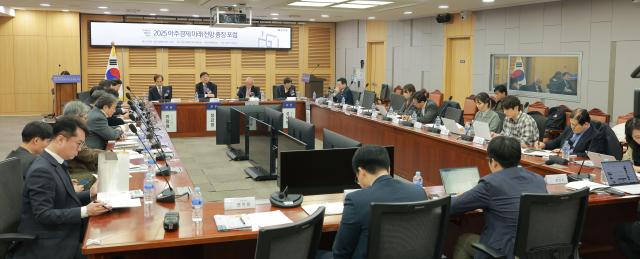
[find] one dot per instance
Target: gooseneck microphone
(164, 170)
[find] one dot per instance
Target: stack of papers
(118, 199)
(330, 208)
(536, 152)
(137, 168)
(126, 144)
(253, 220)
(577, 185)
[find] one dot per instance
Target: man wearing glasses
(584, 135)
(51, 209)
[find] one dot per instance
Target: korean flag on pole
(518, 72)
(113, 72)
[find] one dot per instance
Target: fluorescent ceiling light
(324, 15)
(107, 12)
(488, 1)
(102, 7)
(45, 5)
(443, 6)
(152, 14)
(353, 6)
(65, 10)
(371, 17)
(324, 1)
(275, 18)
(408, 12)
(196, 16)
(164, 10)
(312, 20)
(275, 14)
(370, 2)
(311, 4)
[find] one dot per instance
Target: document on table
(536, 152)
(254, 221)
(577, 185)
(118, 199)
(330, 208)
(231, 222)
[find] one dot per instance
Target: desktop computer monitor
(303, 131)
(311, 172)
(226, 126)
(286, 142)
(397, 101)
(261, 142)
(273, 118)
(331, 140)
(240, 145)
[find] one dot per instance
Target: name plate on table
(374, 114)
(396, 121)
(214, 100)
(169, 116)
(444, 131)
(359, 111)
(240, 203)
(288, 110)
(176, 100)
(212, 109)
(251, 102)
(556, 179)
(417, 125)
(478, 140)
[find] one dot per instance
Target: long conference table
(192, 116)
(129, 233)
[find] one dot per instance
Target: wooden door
(375, 65)
(458, 82)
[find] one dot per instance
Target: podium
(64, 91)
(313, 84)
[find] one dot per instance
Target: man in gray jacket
(35, 137)
(99, 130)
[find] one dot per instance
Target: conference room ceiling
(269, 10)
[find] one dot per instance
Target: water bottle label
(196, 202)
(148, 186)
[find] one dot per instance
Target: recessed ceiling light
(275, 14)
(370, 2)
(371, 17)
(408, 13)
(324, 15)
(444, 6)
(164, 10)
(152, 14)
(107, 12)
(310, 4)
(275, 18)
(102, 7)
(488, 1)
(325, 1)
(195, 15)
(353, 6)
(65, 10)
(45, 5)
(312, 20)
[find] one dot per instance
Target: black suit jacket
(281, 93)
(348, 96)
(580, 148)
(598, 138)
(243, 89)
(352, 238)
(213, 88)
(154, 95)
(26, 158)
(51, 210)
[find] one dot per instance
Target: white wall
(350, 48)
(601, 29)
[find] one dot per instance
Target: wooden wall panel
(140, 83)
(6, 66)
(218, 58)
(253, 59)
(319, 47)
(94, 79)
(6, 26)
(290, 58)
(223, 81)
(142, 58)
(182, 58)
(98, 57)
(30, 23)
(183, 85)
(30, 63)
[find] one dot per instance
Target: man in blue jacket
(371, 165)
(498, 195)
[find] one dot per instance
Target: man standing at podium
(342, 90)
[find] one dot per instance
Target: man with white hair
(248, 90)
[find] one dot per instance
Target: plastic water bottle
(262, 95)
(414, 117)
(566, 150)
(467, 128)
(196, 98)
(390, 113)
(357, 104)
(438, 121)
(471, 130)
(196, 206)
(417, 180)
(149, 191)
(343, 101)
(314, 95)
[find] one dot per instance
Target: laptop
(452, 126)
(382, 110)
(482, 129)
(459, 180)
(621, 176)
(598, 158)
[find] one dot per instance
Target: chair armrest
(488, 251)
(16, 237)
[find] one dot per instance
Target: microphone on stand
(163, 171)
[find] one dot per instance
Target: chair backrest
(562, 216)
(502, 116)
(624, 118)
(84, 96)
(541, 122)
(356, 96)
(470, 108)
(397, 101)
(385, 91)
(408, 229)
(539, 107)
(296, 240)
(10, 198)
(599, 115)
(437, 97)
(274, 91)
(368, 98)
(453, 114)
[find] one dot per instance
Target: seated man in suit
(343, 91)
(158, 92)
(498, 195)
(51, 209)
(286, 90)
(425, 109)
(206, 88)
(501, 93)
(248, 90)
(35, 137)
(118, 117)
(85, 164)
(371, 165)
(518, 124)
(99, 130)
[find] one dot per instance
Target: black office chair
(11, 203)
(274, 92)
(357, 97)
(297, 240)
(83, 96)
(397, 101)
(454, 114)
(541, 122)
(501, 115)
(385, 91)
(368, 98)
(563, 217)
(408, 229)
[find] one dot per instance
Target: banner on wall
(187, 35)
(211, 116)
(288, 110)
(169, 116)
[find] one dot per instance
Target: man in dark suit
(498, 195)
(158, 92)
(51, 208)
(583, 135)
(206, 88)
(99, 130)
(35, 138)
(426, 110)
(371, 165)
(248, 90)
(343, 91)
(286, 90)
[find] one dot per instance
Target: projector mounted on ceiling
(230, 16)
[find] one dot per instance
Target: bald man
(248, 90)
